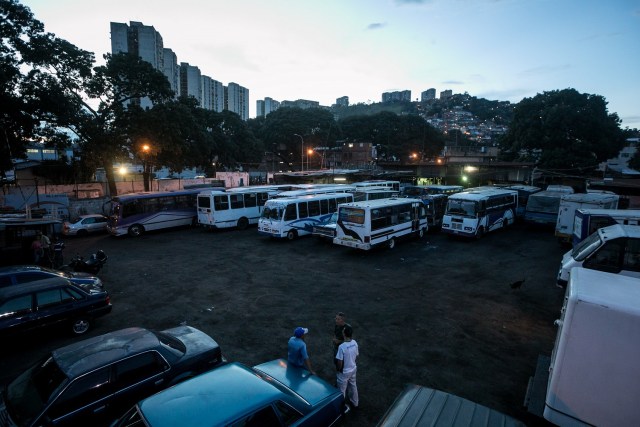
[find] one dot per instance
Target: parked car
(19, 274)
(326, 230)
(271, 394)
(51, 302)
(85, 224)
(93, 381)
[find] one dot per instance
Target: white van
(569, 203)
(613, 249)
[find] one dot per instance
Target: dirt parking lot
(437, 312)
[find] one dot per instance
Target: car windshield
(586, 247)
(28, 394)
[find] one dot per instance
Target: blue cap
(299, 332)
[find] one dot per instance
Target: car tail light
(107, 300)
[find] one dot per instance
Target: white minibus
(363, 225)
(291, 217)
(237, 208)
(475, 212)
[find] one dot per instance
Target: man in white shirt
(346, 365)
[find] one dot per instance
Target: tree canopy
(563, 129)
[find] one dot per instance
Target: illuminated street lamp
(301, 152)
(146, 175)
(309, 153)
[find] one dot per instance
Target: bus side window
(332, 205)
(303, 210)
(632, 255)
(237, 201)
(221, 203)
(290, 212)
(250, 200)
(324, 207)
(314, 208)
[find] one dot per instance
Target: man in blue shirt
(297, 350)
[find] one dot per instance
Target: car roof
(36, 285)
(92, 353)
(12, 269)
(91, 216)
(216, 397)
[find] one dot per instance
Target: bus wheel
(392, 243)
(480, 233)
(421, 233)
(243, 223)
(291, 235)
(136, 230)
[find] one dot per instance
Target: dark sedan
(271, 394)
(92, 382)
(34, 306)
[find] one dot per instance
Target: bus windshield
(463, 207)
(272, 212)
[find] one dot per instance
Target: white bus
(237, 208)
(378, 183)
(476, 212)
(362, 194)
(324, 189)
(292, 217)
(363, 225)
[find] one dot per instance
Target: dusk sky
(321, 50)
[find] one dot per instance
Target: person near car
(46, 246)
(347, 368)
(297, 350)
(338, 338)
(36, 248)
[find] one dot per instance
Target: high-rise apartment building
(266, 106)
(446, 94)
(343, 101)
(190, 84)
(140, 40)
(171, 70)
(428, 95)
(404, 95)
(300, 103)
(237, 100)
(212, 94)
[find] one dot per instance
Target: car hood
(196, 341)
(311, 388)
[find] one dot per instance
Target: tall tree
(563, 129)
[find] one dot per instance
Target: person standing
(297, 350)
(36, 248)
(338, 338)
(46, 247)
(347, 368)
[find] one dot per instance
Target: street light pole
(301, 152)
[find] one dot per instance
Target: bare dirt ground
(437, 312)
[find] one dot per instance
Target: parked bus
(524, 192)
(569, 203)
(136, 213)
(237, 208)
(444, 189)
(324, 189)
(542, 207)
(378, 183)
(363, 225)
(588, 221)
(435, 203)
(292, 217)
(362, 194)
(474, 213)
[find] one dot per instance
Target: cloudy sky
(324, 49)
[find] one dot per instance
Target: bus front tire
(421, 233)
(291, 235)
(243, 223)
(480, 233)
(392, 243)
(136, 230)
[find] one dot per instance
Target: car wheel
(136, 230)
(194, 222)
(80, 326)
(392, 243)
(243, 223)
(82, 233)
(291, 235)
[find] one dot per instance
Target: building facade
(343, 101)
(237, 100)
(190, 81)
(428, 95)
(171, 70)
(404, 95)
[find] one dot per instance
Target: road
(439, 312)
